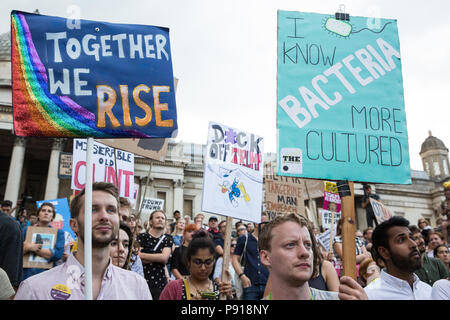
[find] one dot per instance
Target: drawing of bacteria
(339, 27)
(345, 29)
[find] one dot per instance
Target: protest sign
(313, 188)
(324, 238)
(331, 196)
(104, 168)
(46, 237)
(65, 165)
(148, 206)
(382, 213)
(340, 110)
(62, 216)
(155, 148)
(81, 78)
(327, 217)
(233, 174)
(282, 194)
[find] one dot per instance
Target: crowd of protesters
(183, 259)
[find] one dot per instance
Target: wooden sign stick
(226, 255)
(139, 214)
(348, 229)
(331, 232)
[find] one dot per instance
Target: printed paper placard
(149, 205)
(82, 78)
(233, 174)
(104, 167)
(340, 106)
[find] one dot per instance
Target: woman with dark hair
(179, 265)
(198, 285)
(46, 213)
(361, 251)
(442, 252)
(119, 247)
(326, 277)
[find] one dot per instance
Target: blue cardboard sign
(82, 78)
(62, 216)
(340, 106)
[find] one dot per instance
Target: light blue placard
(340, 105)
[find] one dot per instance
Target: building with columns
(30, 167)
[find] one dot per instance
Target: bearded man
(67, 281)
(394, 244)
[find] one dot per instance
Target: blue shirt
(58, 251)
(254, 269)
(219, 242)
(177, 240)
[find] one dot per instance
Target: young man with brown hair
(67, 281)
(289, 250)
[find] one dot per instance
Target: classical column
(15, 170)
(178, 195)
(52, 186)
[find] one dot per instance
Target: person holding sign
(370, 216)
(289, 250)
(66, 281)
(46, 213)
(198, 285)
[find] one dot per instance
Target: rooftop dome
(432, 143)
(5, 46)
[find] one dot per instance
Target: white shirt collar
(396, 282)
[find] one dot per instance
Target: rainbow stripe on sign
(37, 112)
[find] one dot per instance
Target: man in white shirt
(441, 290)
(393, 243)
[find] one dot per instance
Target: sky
(224, 55)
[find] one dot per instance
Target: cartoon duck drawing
(235, 191)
